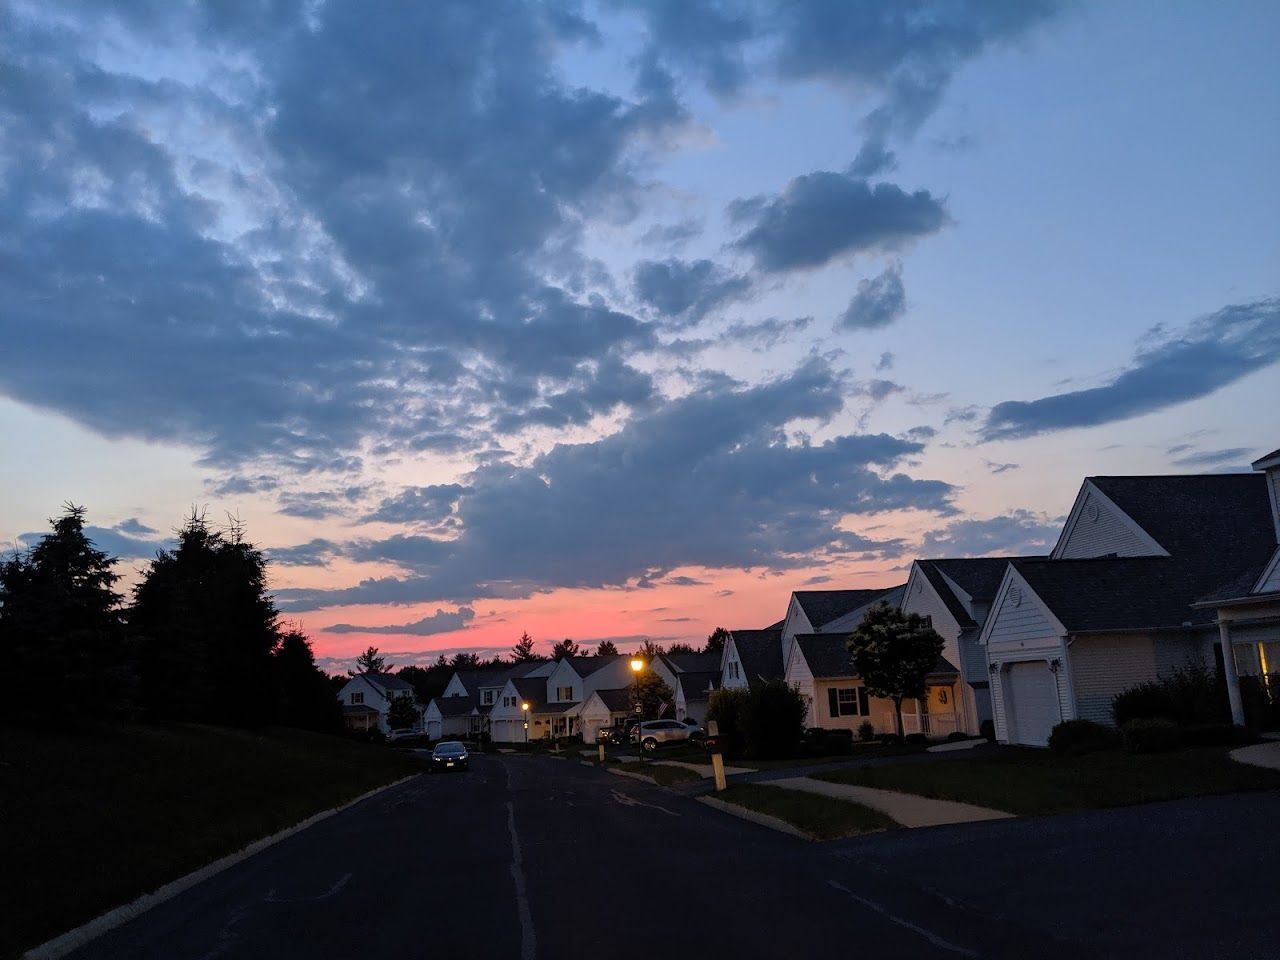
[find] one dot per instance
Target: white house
(601, 709)
(366, 700)
(1138, 585)
(463, 708)
(693, 693)
(955, 595)
(453, 718)
(751, 656)
(831, 611)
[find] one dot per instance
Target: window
(848, 702)
(357, 698)
(486, 696)
(564, 693)
(733, 669)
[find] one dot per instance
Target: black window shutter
(833, 702)
(863, 707)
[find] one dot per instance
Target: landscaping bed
(822, 818)
(1024, 780)
(99, 817)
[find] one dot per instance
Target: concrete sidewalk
(703, 769)
(1260, 755)
(906, 808)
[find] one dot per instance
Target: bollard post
(600, 744)
(717, 761)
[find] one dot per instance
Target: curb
(64, 943)
(761, 819)
(631, 776)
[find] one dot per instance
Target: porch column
(1229, 673)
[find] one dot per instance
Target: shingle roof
(823, 606)
(1262, 462)
(827, 655)
(533, 690)
(495, 675)
(387, 681)
(760, 652)
(977, 576)
(585, 666)
(692, 662)
(695, 684)
(457, 706)
(618, 701)
(352, 709)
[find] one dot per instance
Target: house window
(486, 696)
(357, 698)
(733, 669)
(848, 702)
(564, 693)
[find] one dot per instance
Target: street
(528, 856)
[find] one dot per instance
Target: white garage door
(1034, 703)
(433, 729)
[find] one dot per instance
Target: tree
(403, 713)
(565, 648)
(649, 649)
(716, 640)
(466, 661)
(652, 693)
(207, 629)
(893, 652)
(60, 620)
(773, 720)
(522, 652)
(306, 698)
(427, 682)
(681, 648)
(606, 648)
(371, 661)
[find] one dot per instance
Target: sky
(624, 319)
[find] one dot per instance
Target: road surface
(529, 856)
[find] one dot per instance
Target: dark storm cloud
(427, 505)
(687, 290)
(1211, 353)
(879, 302)
(821, 216)
(707, 480)
(442, 621)
(1018, 532)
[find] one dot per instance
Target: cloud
(685, 289)
(442, 621)
(1019, 532)
(127, 540)
(823, 216)
(709, 480)
(314, 553)
(885, 362)
(1209, 354)
(1001, 467)
(672, 235)
(1234, 456)
(878, 302)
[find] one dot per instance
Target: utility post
(717, 760)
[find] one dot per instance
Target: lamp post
(524, 707)
(637, 665)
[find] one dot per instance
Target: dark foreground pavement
(533, 857)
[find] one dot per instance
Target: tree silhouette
(649, 649)
(565, 648)
(681, 648)
(60, 621)
(893, 653)
(716, 641)
(306, 698)
(522, 652)
(466, 661)
(371, 661)
(403, 713)
(606, 648)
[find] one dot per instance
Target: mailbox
(712, 744)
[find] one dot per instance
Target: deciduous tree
(893, 653)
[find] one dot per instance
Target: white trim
(1074, 517)
(1010, 574)
(1268, 572)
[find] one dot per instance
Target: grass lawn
(660, 774)
(95, 818)
(860, 751)
(823, 818)
(1027, 781)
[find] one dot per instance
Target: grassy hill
(93, 819)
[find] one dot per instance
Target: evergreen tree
(606, 648)
(565, 648)
(371, 662)
(306, 697)
(207, 628)
(893, 653)
(716, 641)
(681, 648)
(649, 649)
(522, 652)
(60, 620)
(466, 661)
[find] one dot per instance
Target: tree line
(198, 638)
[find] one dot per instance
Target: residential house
(955, 596)
(1138, 585)
(831, 611)
(751, 656)
(462, 710)
(453, 718)
(554, 696)
(821, 670)
(601, 709)
(366, 700)
(693, 694)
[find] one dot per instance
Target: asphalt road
(529, 857)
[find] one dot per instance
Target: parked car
(651, 733)
(450, 755)
(616, 735)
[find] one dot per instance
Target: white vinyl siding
(1098, 529)
(1019, 624)
(1104, 666)
(800, 677)
(1272, 580)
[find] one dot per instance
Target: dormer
(1097, 527)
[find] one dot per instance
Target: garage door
(1034, 703)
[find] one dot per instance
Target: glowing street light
(525, 708)
(637, 664)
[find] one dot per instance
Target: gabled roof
(495, 675)
(827, 655)
(692, 662)
(1271, 459)
(386, 681)
(618, 701)
(1226, 513)
(824, 606)
(585, 666)
(457, 706)
(979, 577)
(760, 652)
(533, 691)
(695, 684)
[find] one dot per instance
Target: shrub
(773, 720)
(1189, 695)
(817, 736)
(955, 736)
(890, 738)
(1151, 735)
(866, 731)
(1261, 712)
(988, 730)
(915, 738)
(1075, 737)
(727, 708)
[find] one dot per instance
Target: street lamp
(525, 708)
(637, 665)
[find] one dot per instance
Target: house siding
(1272, 581)
(800, 677)
(1107, 665)
(920, 597)
(1108, 533)
(882, 716)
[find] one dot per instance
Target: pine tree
(305, 696)
(606, 648)
(371, 661)
(522, 652)
(565, 648)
